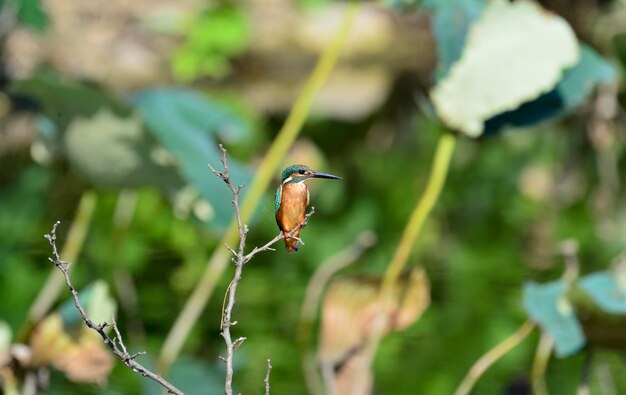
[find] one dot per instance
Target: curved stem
(485, 362)
(290, 130)
(441, 163)
(71, 250)
(540, 364)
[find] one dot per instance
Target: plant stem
(50, 291)
(290, 130)
(485, 362)
(441, 164)
(540, 364)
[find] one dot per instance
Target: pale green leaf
(5, 336)
(546, 305)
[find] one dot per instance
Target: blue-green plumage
(279, 191)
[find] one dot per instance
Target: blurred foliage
(27, 12)
(210, 41)
(490, 249)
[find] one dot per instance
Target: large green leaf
(62, 99)
(451, 22)
(188, 125)
(605, 292)
(97, 302)
(547, 305)
(514, 53)
(31, 14)
(571, 92)
(116, 152)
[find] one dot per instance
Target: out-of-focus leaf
(578, 82)
(197, 377)
(514, 53)
(116, 152)
(216, 36)
(604, 291)
(86, 361)
(451, 22)
(5, 337)
(83, 358)
(31, 14)
(188, 125)
(48, 341)
(571, 92)
(547, 305)
(101, 306)
(97, 302)
(350, 311)
(62, 99)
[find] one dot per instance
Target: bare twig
(116, 345)
(240, 258)
(267, 377)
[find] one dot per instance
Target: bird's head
(299, 173)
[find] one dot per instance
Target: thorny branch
(116, 344)
(240, 259)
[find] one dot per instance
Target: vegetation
(474, 244)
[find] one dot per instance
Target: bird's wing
(279, 191)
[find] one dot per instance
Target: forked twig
(116, 345)
(240, 258)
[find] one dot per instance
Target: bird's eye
(302, 171)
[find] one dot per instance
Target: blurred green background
(122, 105)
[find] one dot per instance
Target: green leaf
(31, 14)
(197, 377)
(98, 304)
(514, 53)
(63, 99)
(214, 38)
(5, 337)
(546, 304)
(578, 81)
(188, 125)
(451, 22)
(604, 291)
(116, 152)
(571, 92)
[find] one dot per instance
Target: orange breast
(293, 204)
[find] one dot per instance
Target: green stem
(71, 250)
(492, 356)
(441, 164)
(290, 130)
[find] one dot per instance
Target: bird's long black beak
(325, 175)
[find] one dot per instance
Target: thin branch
(267, 377)
(240, 259)
(116, 345)
(280, 236)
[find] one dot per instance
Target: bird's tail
(291, 243)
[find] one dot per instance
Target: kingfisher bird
(292, 200)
